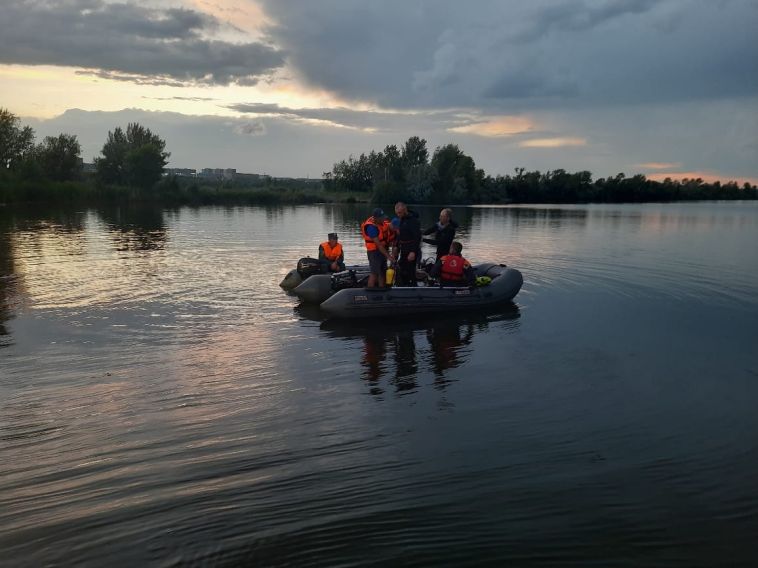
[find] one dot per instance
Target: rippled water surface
(163, 402)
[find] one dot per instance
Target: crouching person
(454, 270)
(330, 255)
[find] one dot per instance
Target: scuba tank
(389, 277)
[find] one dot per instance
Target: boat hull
(293, 279)
(369, 302)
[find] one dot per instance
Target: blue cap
(395, 222)
(378, 212)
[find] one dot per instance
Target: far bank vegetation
(132, 167)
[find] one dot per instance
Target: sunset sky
(288, 87)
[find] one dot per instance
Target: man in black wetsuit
(408, 247)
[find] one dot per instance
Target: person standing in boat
(331, 257)
(376, 234)
(394, 231)
(408, 249)
(454, 270)
(443, 231)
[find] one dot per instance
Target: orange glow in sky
(552, 142)
(497, 127)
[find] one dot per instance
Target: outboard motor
(342, 280)
(308, 267)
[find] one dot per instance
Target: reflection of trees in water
(392, 345)
(135, 228)
(55, 231)
(7, 276)
(534, 216)
(42, 231)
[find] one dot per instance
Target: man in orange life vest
(377, 234)
(454, 270)
(330, 255)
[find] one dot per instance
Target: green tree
(420, 180)
(414, 153)
(355, 175)
(457, 176)
(135, 157)
(144, 165)
(16, 143)
(328, 181)
(59, 157)
(393, 164)
(111, 167)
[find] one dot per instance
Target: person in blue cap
(377, 235)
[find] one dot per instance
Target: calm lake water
(164, 403)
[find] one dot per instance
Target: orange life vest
(453, 267)
(330, 253)
(384, 233)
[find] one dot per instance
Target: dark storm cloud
(511, 55)
(578, 15)
(129, 42)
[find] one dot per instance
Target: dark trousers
(326, 266)
(406, 270)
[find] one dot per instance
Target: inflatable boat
(504, 284)
(308, 267)
(319, 287)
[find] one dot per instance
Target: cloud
(191, 99)
(153, 81)
(496, 127)
(658, 165)
(552, 142)
(578, 16)
(250, 128)
(129, 42)
(368, 120)
(508, 56)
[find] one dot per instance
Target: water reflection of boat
(402, 348)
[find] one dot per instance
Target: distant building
(181, 172)
(218, 173)
(88, 167)
(248, 178)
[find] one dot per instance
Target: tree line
(134, 157)
(133, 160)
(450, 176)
(130, 167)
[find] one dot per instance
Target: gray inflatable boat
(308, 268)
(319, 287)
(366, 302)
